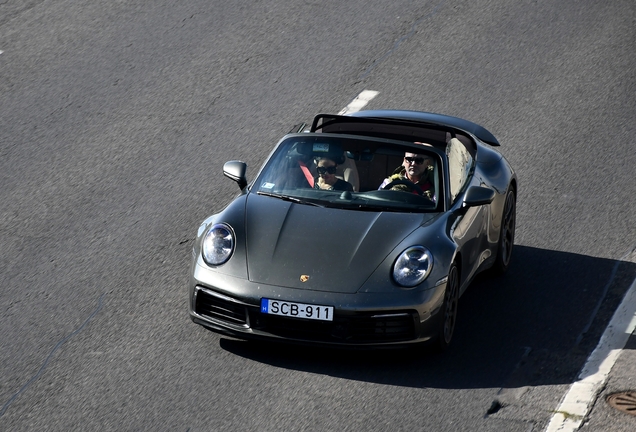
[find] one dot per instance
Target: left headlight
(412, 266)
(217, 245)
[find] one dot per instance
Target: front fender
(435, 238)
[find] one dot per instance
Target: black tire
(507, 234)
(449, 309)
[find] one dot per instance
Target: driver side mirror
(478, 196)
(235, 170)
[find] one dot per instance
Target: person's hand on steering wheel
(412, 187)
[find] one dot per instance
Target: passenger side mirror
(235, 170)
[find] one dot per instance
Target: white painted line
(359, 102)
(577, 402)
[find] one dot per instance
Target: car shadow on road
(536, 325)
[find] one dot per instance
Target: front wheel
(449, 309)
(507, 234)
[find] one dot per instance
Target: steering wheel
(408, 183)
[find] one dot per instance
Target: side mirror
(478, 196)
(235, 170)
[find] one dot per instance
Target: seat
(349, 172)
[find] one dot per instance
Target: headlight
(217, 245)
(412, 266)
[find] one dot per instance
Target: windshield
(353, 173)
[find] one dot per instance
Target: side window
(460, 164)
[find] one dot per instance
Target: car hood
(323, 249)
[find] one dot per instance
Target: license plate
(296, 310)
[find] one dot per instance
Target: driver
(416, 168)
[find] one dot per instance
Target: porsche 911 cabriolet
(360, 230)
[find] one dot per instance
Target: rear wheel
(449, 309)
(507, 235)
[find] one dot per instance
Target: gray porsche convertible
(360, 230)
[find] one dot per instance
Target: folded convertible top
(401, 125)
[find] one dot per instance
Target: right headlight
(217, 245)
(412, 266)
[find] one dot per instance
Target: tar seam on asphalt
(402, 39)
(46, 362)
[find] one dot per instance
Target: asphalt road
(116, 118)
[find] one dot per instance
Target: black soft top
(401, 125)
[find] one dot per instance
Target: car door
(470, 228)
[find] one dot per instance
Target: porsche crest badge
(304, 278)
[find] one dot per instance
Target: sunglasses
(323, 170)
(416, 160)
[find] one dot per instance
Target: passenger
(327, 176)
(415, 168)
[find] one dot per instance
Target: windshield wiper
(288, 198)
(378, 207)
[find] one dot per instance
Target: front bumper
(231, 306)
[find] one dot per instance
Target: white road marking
(359, 102)
(577, 402)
